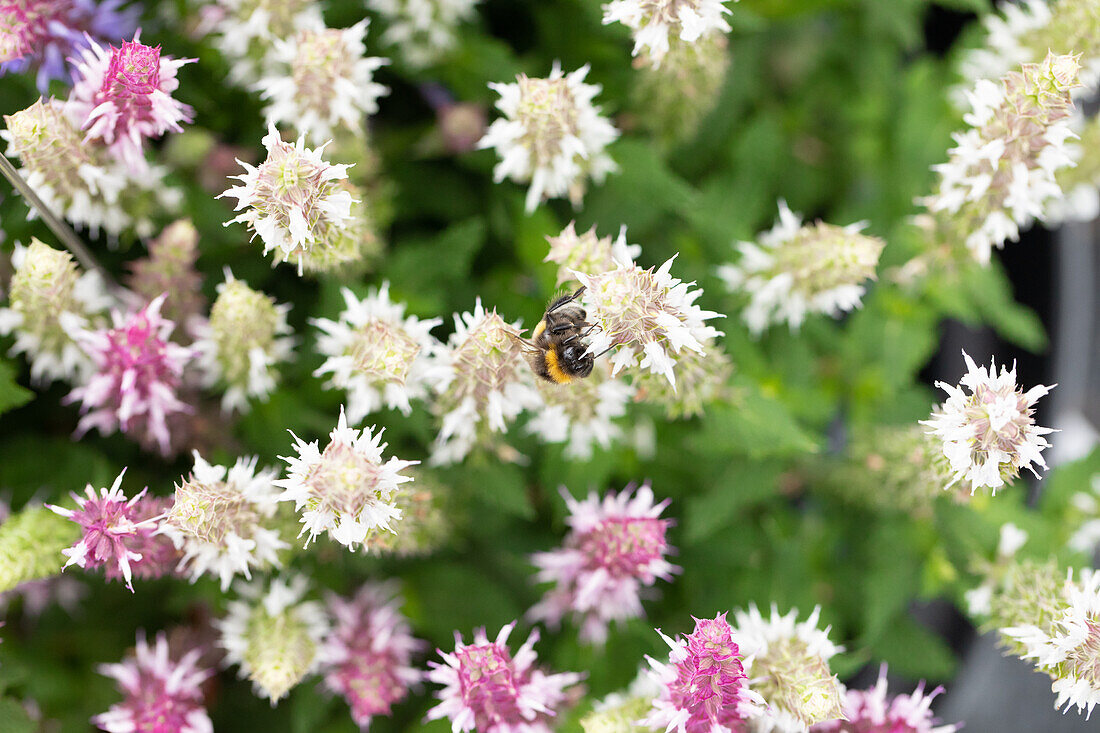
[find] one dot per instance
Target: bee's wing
(524, 344)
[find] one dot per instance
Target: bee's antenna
(609, 348)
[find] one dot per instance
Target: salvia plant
(291, 439)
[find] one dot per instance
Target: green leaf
(12, 395)
(743, 484)
(912, 650)
(13, 718)
(642, 190)
(756, 425)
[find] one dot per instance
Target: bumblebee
(558, 351)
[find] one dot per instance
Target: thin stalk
(61, 230)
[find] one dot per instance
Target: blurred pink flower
(704, 686)
(160, 694)
(870, 711)
(370, 649)
(119, 534)
(138, 370)
(615, 546)
(487, 689)
(124, 95)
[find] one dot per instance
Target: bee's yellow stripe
(554, 370)
(539, 329)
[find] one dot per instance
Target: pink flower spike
(370, 652)
(615, 547)
(871, 711)
(118, 534)
(160, 694)
(123, 96)
(704, 688)
(486, 689)
(138, 370)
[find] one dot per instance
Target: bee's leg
(561, 328)
(591, 327)
(566, 300)
(609, 348)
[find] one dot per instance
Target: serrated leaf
(744, 484)
(755, 425)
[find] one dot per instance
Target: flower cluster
(425, 522)
(159, 693)
(44, 34)
(487, 383)
(488, 689)
(422, 31)
(170, 268)
(1065, 643)
(346, 489)
(246, 336)
(656, 24)
(293, 200)
(1001, 174)
(615, 546)
(273, 635)
(788, 662)
(1023, 32)
(217, 520)
(581, 415)
(703, 687)
(378, 354)
(702, 377)
(49, 299)
(872, 711)
(79, 181)
(246, 31)
(551, 135)
(119, 534)
(989, 434)
(323, 82)
(794, 270)
(894, 469)
(123, 96)
(368, 653)
(679, 93)
(588, 252)
(138, 370)
(646, 314)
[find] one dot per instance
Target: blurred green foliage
(836, 106)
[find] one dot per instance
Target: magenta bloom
(124, 95)
(41, 34)
(161, 695)
(137, 373)
(614, 547)
(370, 649)
(487, 689)
(703, 686)
(119, 534)
(870, 711)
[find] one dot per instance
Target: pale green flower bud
(49, 301)
(170, 268)
(275, 638)
(619, 719)
(247, 335)
(31, 541)
(796, 269)
(674, 97)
